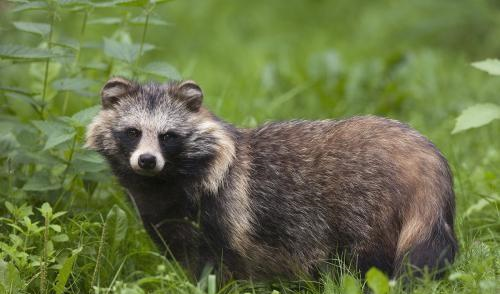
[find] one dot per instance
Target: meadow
(66, 226)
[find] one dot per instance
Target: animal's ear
(190, 93)
(114, 89)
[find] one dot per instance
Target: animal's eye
(133, 132)
(168, 136)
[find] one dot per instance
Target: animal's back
(369, 185)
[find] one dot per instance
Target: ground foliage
(66, 226)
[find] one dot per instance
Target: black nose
(147, 161)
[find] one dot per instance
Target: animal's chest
(165, 211)
(172, 223)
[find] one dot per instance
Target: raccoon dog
(279, 200)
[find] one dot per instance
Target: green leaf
(85, 116)
(162, 69)
(56, 228)
(33, 5)
(87, 161)
(72, 44)
(488, 285)
(57, 139)
(491, 66)
(26, 53)
(41, 182)
(16, 240)
(139, 3)
(58, 214)
(460, 276)
(19, 212)
(57, 132)
(350, 285)
(95, 65)
(10, 279)
(78, 85)
(117, 225)
(75, 5)
(124, 51)
(481, 204)
(51, 127)
(141, 20)
(103, 4)
(476, 116)
(211, 287)
(50, 248)
(8, 143)
(105, 21)
(60, 238)
(64, 272)
(18, 228)
(10, 207)
(24, 98)
(46, 210)
(377, 281)
(22, 156)
(17, 90)
(42, 29)
(24, 211)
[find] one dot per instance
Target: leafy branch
(480, 114)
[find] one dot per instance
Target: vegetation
(67, 227)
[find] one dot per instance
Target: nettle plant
(480, 115)
(22, 249)
(476, 116)
(46, 153)
(52, 76)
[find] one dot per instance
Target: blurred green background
(256, 61)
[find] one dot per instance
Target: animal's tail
(427, 239)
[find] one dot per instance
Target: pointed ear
(190, 93)
(114, 89)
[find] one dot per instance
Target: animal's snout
(147, 161)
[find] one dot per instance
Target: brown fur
(282, 199)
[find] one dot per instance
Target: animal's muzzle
(147, 161)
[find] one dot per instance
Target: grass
(256, 61)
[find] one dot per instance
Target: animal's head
(156, 129)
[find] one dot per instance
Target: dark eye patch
(127, 139)
(169, 136)
(171, 142)
(132, 133)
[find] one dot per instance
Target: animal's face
(154, 128)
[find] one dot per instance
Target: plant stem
(143, 38)
(70, 156)
(77, 57)
(66, 169)
(45, 80)
(47, 63)
(43, 266)
(82, 33)
(10, 178)
(65, 102)
(99, 254)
